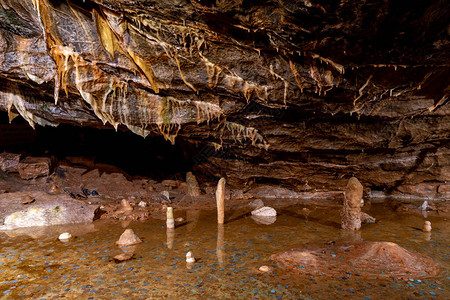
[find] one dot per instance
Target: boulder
(34, 167)
(265, 211)
(128, 238)
(45, 210)
(9, 162)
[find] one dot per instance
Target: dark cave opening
(151, 157)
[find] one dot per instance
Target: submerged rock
(128, 238)
(367, 219)
(264, 220)
(380, 259)
(123, 256)
(44, 211)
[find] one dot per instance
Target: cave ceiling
(303, 92)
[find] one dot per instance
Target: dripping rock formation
(299, 93)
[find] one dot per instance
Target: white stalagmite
(220, 198)
(170, 220)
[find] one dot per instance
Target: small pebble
(65, 236)
(264, 268)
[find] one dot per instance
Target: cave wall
(302, 93)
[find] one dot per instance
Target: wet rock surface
(302, 93)
(381, 259)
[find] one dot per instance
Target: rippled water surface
(34, 264)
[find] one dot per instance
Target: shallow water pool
(34, 264)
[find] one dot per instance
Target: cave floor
(35, 264)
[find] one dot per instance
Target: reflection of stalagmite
(220, 198)
(351, 211)
(220, 249)
(192, 217)
(170, 237)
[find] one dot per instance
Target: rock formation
(128, 238)
(23, 209)
(351, 209)
(192, 185)
(380, 259)
(220, 200)
(290, 91)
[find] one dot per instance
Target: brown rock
(367, 219)
(9, 162)
(192, 185)
(170, 183)
(419, 189)
(351, 211)
(34, 167)
(125, 205)
(444, 189)
(381, 259)
(123, 256)
(128, 238)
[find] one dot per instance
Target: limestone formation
(125, 205)
(9, 162)
(289, 91)
(192, 185)
(220, 199)
(34, 167)
(128, 238)
(170, 221)
(351, 211)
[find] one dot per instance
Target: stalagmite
(220, 197)
(192, 185)
(351, 211)
(125, 205)
(170, 220)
